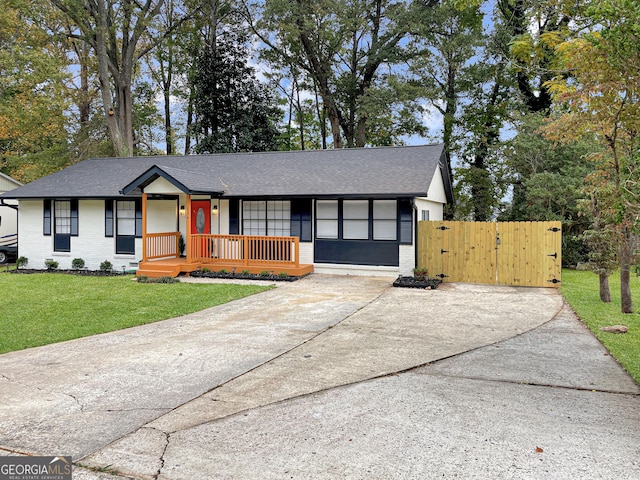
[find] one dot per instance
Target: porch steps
(156, 271)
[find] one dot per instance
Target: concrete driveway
(302, 382)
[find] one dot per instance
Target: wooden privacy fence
(504, 253)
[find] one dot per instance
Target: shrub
(264, 273)
(106, 266)
(245, 273)
(224, 271)
(283, 275)
(205, 270)
(22, 262)
(420, 274)
(77, 263)
(51, 264)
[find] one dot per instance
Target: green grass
(581, 290)
(43, 308)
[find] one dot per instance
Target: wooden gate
(505, 253)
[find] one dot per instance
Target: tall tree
(343, 46)
(549, 180)
(33, 93)
(117, 31)
(602, 100)
(234, 111)
(448, 39)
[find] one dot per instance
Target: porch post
(144, 227)
(188, 220)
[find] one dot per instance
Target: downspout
(415, 231)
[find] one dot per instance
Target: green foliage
(106, 266)
(205, 270)
(77, 263)
(224, 271)
(78, 306)
(146, 279)
(22, 262)
(245, 272)
(283, 275)
(345, 48)
(548, 181)
(51, 264)
(580, 289)
(234, 111)
(420, 274)
(265, 273)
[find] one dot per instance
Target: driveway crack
(535, 384)
(164, 451)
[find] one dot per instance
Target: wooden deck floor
(172, 267)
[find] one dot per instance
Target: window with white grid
(271, 217)
(279, 218)
(126, 217)
(62, 215)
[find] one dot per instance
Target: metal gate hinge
(442, 275)
(443, 251)
(554, 255)
(442, 227)
(555, 280)
(554, 229)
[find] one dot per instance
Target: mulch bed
(410, 282)
(248, 276)
(85, 273)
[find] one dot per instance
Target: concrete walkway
(272, 385)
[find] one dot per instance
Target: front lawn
(37, 309)
(580, 289)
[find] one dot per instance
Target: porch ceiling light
(183, 212)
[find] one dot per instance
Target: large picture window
(261, 217)
(278, 218)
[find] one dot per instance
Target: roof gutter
(4, 204)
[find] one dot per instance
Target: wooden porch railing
(162, 245)
(245, 250)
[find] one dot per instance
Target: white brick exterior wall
(91, 245)
(407, 260)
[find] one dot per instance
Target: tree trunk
(168, 130)
(605, 291)
(625, 255)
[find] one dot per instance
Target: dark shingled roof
(358, 171)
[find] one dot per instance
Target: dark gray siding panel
(357, 252)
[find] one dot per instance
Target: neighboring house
(349, 211)
(8, 220)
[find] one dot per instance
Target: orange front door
(201, 225)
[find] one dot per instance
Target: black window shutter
(405, 217)
(108, 218)
(301, 219)
(234, 216)
(46, 218)
(138, 218)
(74, 217)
